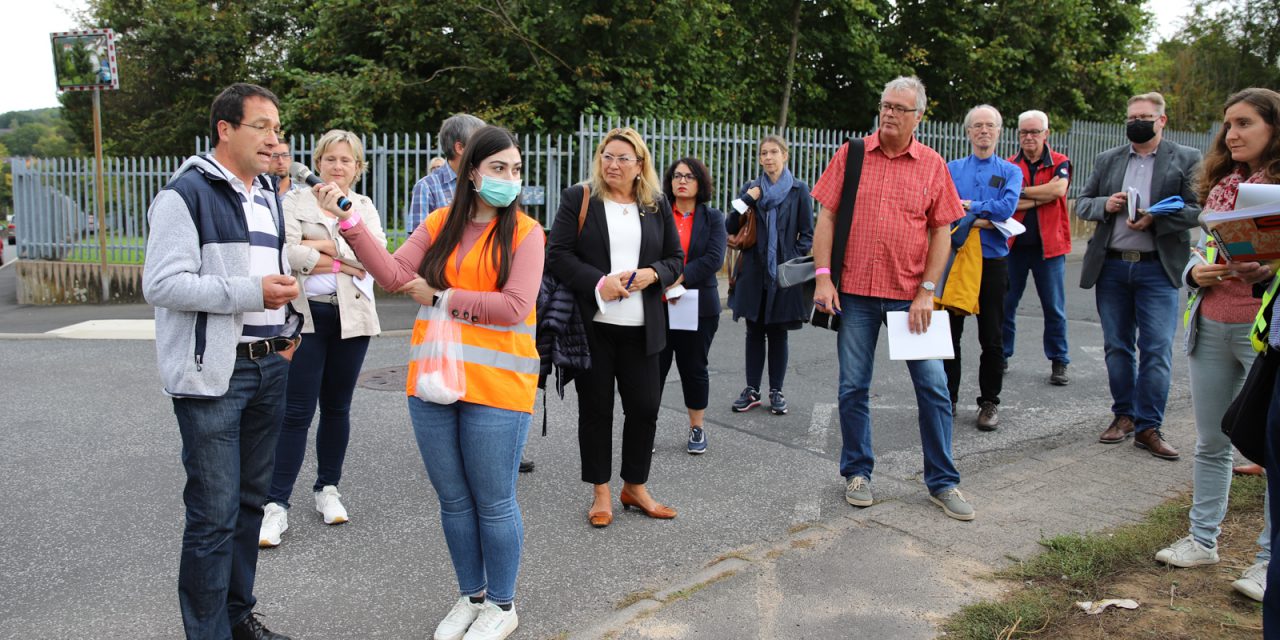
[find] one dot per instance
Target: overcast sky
(28, 81)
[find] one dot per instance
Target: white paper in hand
(1009, 228)
(1133, 202)
(933, 344)
(682, 313)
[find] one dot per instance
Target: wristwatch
(928, 286)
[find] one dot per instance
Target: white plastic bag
(442, 377)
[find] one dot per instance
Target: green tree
(1069, 58)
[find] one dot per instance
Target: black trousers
(690, 350)
(618, 353)
(995, 283)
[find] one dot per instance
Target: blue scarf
(771, 197)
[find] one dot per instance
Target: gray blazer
(1174, 174)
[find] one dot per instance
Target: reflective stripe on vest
(1258, 336)
(501, 362)
(1210, 255)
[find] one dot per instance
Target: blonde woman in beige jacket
(336, 300)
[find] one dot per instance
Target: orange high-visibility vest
(501, 362)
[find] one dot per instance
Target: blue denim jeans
(856, 343)
(1138, 308)
(1050, 276)
(1220, 361)
(228, 446)
(324, 371)
(472, 454)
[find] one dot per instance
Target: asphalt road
(92, 484)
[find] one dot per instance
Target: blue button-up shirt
(433, 191)
(992, 187)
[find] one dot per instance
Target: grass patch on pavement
(1173, 603)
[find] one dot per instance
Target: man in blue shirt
(435, 189)
(989, 187)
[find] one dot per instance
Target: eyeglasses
(1142, 116)
(264, 128)
(984, 125)
(683, 177)
(609, 158)
(277, 156)
(896, 108)
(1028, 133)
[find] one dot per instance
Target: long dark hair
(485, 142)
(1218, 163)
(700, 175)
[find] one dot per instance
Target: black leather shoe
(526, 466)
(251, 629)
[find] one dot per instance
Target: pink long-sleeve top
(507, 307)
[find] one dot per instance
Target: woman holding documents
(1220, 314)
(626, 253)
(783, 211)
(687, 185)
(479, 261)
(336, 303)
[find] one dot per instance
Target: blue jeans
(228, 446)
(324, 370)
(472, 454)
(856, 343)
(1220, 362)
(1050, 276)
(1138, 308)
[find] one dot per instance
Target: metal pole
(100, 194)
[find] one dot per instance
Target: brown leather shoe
(1151, 440)
(600, 519)
(1121, 428)
(658, 510)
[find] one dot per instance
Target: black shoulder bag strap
(844, 213)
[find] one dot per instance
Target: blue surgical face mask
(498, 192)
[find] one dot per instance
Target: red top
(684, 227)
(900, 199)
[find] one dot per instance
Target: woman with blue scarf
(784, 230)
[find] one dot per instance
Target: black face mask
(1140, 131)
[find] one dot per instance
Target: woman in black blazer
(626, 254)
(687, 185)
(782, 202)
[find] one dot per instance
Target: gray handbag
(796, 271)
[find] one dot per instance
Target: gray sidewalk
(898, 568)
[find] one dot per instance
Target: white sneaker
(275, 521)
(329, 506)
(1187, 553)
(493, 623)
(460, 617)
(1254, 581)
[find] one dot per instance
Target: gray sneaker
(857, 491)
(953, 504)
(988, 416)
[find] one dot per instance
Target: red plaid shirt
(899, 200)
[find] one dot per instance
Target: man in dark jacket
(1136, 262)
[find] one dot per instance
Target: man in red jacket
(1042, 250)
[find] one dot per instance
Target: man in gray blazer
(1136, 266)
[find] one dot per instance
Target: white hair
(968, 117)
(908, 83)
(1039, 115)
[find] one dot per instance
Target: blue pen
(630, 280)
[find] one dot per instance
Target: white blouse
(624, 256)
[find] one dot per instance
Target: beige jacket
(303, 220)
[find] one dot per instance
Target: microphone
(300, 173)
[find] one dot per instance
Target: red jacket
(1055, 223)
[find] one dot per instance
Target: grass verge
(1174, 603)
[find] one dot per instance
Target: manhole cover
(388, 379)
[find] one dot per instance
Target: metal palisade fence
(53, 198)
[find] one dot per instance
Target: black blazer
(580, 259)
(706, 256)
(1174, 174)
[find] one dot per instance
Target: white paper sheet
(682, 313)
(1010, 227)
(1133, 202)
(1252, 195)
(933, 344)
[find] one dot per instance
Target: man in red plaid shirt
(894, 251)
